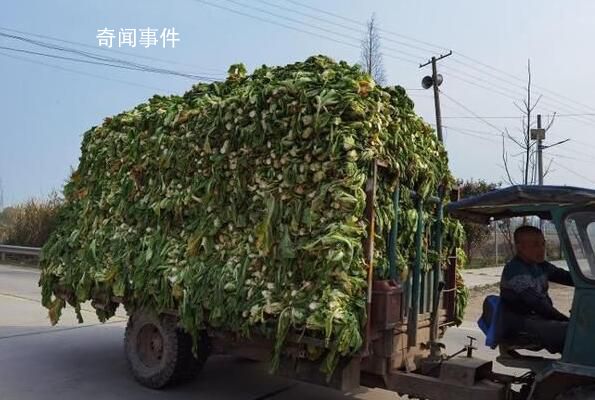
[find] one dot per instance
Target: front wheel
(159, 353)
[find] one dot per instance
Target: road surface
(72, 361)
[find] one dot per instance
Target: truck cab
(572, 211)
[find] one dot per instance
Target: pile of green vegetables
(241, 204)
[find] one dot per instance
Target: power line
(395, 34)
(517, 85)
(80, 72)
(505, 92)
(106, 61)
(572, 141)
(83, 61)
(516, 117)
(252, 7)
(420, 95)
(274, 22)
(557, 103)
(484, 133)
(572, 172)
(161, 60)
(579, 152)
(353, 29)
(520, 79)
(412, 60)
(464, 107)
(310, 16)
(451, 130)
(571, 158)
(388, 54)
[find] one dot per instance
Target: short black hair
(521, 230)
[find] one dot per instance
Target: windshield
(581, 233)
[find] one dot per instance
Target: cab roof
(519, 201)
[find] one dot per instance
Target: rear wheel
(159, 353)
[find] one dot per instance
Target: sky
(46, 104)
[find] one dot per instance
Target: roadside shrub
(29, 223)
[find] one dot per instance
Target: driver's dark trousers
(550, 334)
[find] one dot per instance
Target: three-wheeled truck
(402, 351)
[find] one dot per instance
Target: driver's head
(530, 244)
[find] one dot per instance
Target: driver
(527, 306)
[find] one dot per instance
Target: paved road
(72, 361)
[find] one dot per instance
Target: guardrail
(19, 250)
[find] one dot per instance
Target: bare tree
(527, 163)
(371, 55)
(526, 157)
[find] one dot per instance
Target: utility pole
(427, 82)
(434, 81)
(539, 135)
(540, 150)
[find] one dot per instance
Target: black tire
(159, 353)
(586, 392)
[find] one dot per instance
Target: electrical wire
(506, 93)
(106, 61)
(464, 107)
(78, 60)
(572, 171)
(484, 138)
(555, 103)
(111, 50)
(510, 116)
(356, 22)
(491, 67)
(81, 72)
(359, 30)
(269, 21)
(484, 133)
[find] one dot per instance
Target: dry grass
(29, 223)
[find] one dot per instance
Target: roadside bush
(29, 223)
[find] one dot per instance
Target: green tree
(476, 234)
